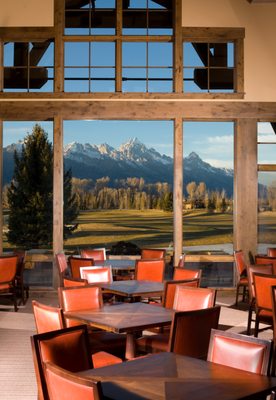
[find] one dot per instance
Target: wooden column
(1, 186)
(178, 190)
(57, 194)
(245, 186)
(59, 45)
(118, 60)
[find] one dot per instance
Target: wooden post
(1, 186)
(178, 47)
(59, 45)
(57, 194)
(178, 190)
(245, 186)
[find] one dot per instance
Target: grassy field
(149, 228)
(155, 228)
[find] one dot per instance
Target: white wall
(16, 13)
(259, 21)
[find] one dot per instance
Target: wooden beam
(59, 46)
(210, 34)
(57, 194)
(118, 44)
(178, 190)
(37, 34)
(178, 47)
(12, 110)
(245, 186)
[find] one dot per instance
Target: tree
(30, 195)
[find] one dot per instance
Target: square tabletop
(134, 288)
(170, 376)
(124, 317)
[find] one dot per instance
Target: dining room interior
(150, 271)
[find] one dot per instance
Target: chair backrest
(71, 282)
(96, 254)
(152, 253)
(193, 298)
(271, 251)
(68, 348)
(63, 384)
(184, 273)
(76, 262)
(169, 290)
(240, 351)
(240, 262)
(62, 265)
(253, 269)
(47, 318)
(190, 331)
(273, 300)
(266, 260)
(8, 266)
(97, 274)
(262, 284)
(79, 298)
(150, 270)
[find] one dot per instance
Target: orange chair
(71, 282)
(69, 349)
(62, 265)
(170, 287)
(184, 273)
(262, 285)
(241, 271)
(47, 318)
(76, 262)
(97, 274)
(271, 251)
(189, 334)
(266, 260)
(90, 297)
(273, 300)
(8, 266)
(153, 253)
(193, 298)
(150, 270)
(63, 384)
(186, 299)
(252, 269)
(96, 254)
(240, 351)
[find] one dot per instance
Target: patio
(16, 329)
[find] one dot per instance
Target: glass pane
(230, 58)
(137, 4)
(194, 54)
(220, 79)
(189, 83)
(103, 54)
(134, 54)
(160, 80)
(76, 54)
(266, 210)
(103, 79)
(267, 153)
(134, 80)
(8, 54)
(76, 80)
(266, 132)
(160, 54)
(47, 55)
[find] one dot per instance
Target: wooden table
(133, 289)
(124, 317)
(174, 377)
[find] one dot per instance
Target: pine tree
(30, 195)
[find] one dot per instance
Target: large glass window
(29, 67)
(266, 184)
(122, 176)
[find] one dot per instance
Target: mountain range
(131, 159)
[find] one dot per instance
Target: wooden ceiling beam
(13, 110)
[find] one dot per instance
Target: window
(213, 62)
(266, 184)
(29, 67)
(89, 67)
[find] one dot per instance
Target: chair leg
(256, 330)
(250, 312)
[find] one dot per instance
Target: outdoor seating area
(81, 336)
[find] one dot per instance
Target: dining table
(169, 376)
(129, 318)
(134, 289)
